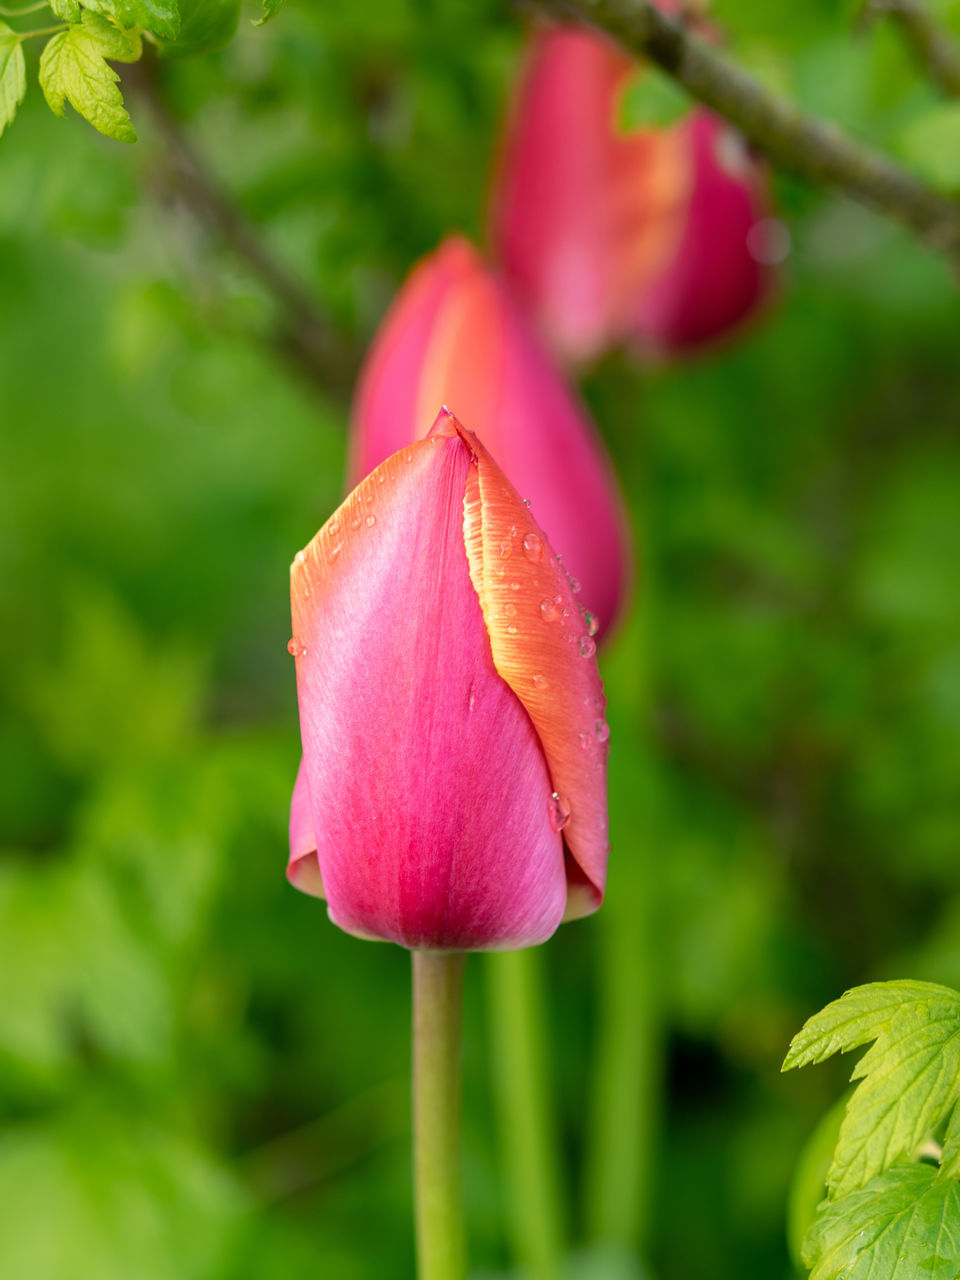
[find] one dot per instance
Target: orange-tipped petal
(543, 647)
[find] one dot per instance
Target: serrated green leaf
(270, 10)
(73, 68)
(651, 101)
(858, 1017)
(904, 1225)
(950, 1155)
(66, 10)
(910, 1077)
(13, 75)
(931, 145)
(109, 40)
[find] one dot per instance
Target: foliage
(884, 1216)
(182, 1037)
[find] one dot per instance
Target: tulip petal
(583, 215)
(303, 869)
(428, 787)
(542, 647)
(712, 283)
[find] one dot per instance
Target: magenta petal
(713, 283)
(428, 787)
(303, 869)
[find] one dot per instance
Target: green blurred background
(200, 1078)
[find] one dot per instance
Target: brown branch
(933, 46)
(814, 149)
(303, 335)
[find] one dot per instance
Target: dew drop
(306, 593)
(334, 552)
(292, 646)
(371, 521)
(408, 457)
(574, 585)
(355, 524)
(532, 547)
(300, 557)
(511, 630)
(588, 647)
(603, 731)
(585, 741)
(559, 812)
(510, 610)
(381, 478)
(540, 681)
(551, 608)
(514, 586)
(505, 549)
(592, 623)
(526, 502)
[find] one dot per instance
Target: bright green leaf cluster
(75, 64)
(885, 1215)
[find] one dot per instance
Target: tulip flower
(608, 236)
(451, 795)
(454, 336)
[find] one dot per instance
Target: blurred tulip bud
(609, 236)
(452, 793)
(454, 337)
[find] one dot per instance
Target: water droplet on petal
(526, 502)
(408, 457)
(551, 608)
(592, 623)
(381, 478)
(355, 524)
(540, 681)
(588, 647)
(603, 731)
(334, 526)
(585, 741)
(505, 549)
(514, 586)
(559, 812)
(511, 631)
(300, 557)
(510, 610)
(532, 547)
(306, 593)
(334, 552)
(371, 521)
(293, 646)
(574, 585)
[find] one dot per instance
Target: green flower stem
(437, 987)
(515, 996)
(626, 1098)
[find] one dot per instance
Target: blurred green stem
(626, 1102)
(437, 988)
(515, 993)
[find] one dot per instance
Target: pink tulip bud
(607, 236)
(453, 336)
(452, 793)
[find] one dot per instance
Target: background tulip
(607, 236)
(452, 791)
(453, 336)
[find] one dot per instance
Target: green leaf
(205, 26)
(160, 17)
(932, 145)
(13, 75)
(910, 1077)
(73, 69)
(270, 10)
(651, 101)
(904, 1225)
(66, 10)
